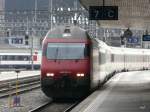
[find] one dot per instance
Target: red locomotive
(65, 69)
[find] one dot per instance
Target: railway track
(55, 107)
(71, 107)
(8, 88)
(22, 85)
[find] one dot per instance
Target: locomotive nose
(65, 77)
(65, 80)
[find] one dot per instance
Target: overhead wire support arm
(51, 12)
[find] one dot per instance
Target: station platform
(125, 92)
(4, 75)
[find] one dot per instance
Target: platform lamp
(31, 47)
(16, 101)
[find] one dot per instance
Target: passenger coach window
(103, 58)
(112, 58)
(15, 58)
(99, 58)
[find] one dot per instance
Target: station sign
(146, 38)
(133, 40)
(103, 13)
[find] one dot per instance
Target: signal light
(50, 74)
(80, 74)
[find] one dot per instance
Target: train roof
(121, 50)
(131, 51)
(68, 31)
(15, 53)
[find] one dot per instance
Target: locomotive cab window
(66, 51)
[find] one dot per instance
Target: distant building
(21, 5)
(18, 5)
(34, 16)
(2, 5)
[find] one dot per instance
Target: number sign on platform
(103, 12)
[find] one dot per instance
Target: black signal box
(146, 38)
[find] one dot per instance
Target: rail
(25, 84)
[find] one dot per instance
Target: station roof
(132, 13)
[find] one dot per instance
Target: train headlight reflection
(50, 74)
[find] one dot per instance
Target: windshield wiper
(56, 54)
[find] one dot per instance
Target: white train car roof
(20, 52)
(121, 50)
(15, 54)
(131, 51)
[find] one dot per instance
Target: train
(74, 63)
(20, 60)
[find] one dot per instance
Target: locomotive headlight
(50, 74)
(80, 74)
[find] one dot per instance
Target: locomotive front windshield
(66, 51)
